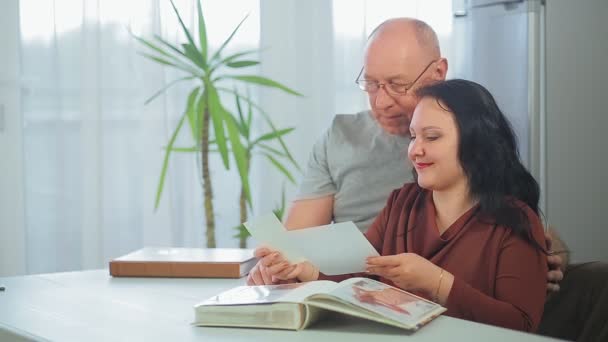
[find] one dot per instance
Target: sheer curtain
(93, 151)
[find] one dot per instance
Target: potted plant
(204, 108)
(260, 146)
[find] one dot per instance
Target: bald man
(343, 181)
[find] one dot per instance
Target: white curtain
(93, 151)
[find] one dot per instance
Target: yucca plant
(278, 211)
(260, 146)
(204, 108)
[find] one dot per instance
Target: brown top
(499, 278)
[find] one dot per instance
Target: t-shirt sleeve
(519, 290)
(317, 181)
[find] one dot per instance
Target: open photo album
(296, 306)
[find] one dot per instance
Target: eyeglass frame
(390, 89)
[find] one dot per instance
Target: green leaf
(194, 55)
(176, 64)
(239, 152)
(192, 113)
(280, 211)
(242, 232)
(231, 58)
(280, 167)
(162, 90)
(272, 150)
(263, 81)
(268, 121)
(173, 60)
(187, 63)
(238, 107)
(241, 123)
(158, 59)
(217, 54)
(181, 22)
(202, 30)
(273, 135)
(151, 46)
(241, 64)
(184, 149)
(281, 142)
(217, 117)
(249, 113)
(163, 173)
(170, 46)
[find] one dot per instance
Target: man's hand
(556, 273)
(273, 268)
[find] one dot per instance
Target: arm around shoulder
(559, 248)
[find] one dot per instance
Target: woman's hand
(408, 271)
(273, 268)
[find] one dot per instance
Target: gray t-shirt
(360, 164)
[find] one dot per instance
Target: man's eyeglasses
(392, 87)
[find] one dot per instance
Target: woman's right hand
(273, 268)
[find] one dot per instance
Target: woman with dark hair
(488, 154)
(467, 234)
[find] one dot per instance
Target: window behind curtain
(93, 151)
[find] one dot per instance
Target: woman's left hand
(408, 271)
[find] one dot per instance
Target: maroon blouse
(499, 278)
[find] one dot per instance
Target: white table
(93, 306)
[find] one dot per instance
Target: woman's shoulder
(530, 214)
(537, 230)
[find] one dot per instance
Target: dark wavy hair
(488, 154)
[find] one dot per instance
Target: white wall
(12, 228)
(577, 124)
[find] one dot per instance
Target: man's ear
(441, 69)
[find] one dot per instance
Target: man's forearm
(310, 213)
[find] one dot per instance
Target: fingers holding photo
(259, 276)
(262, 251)
(386, 260)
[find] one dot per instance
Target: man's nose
(383, 99)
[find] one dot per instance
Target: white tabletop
(93, 306)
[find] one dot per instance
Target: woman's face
(433, 148)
